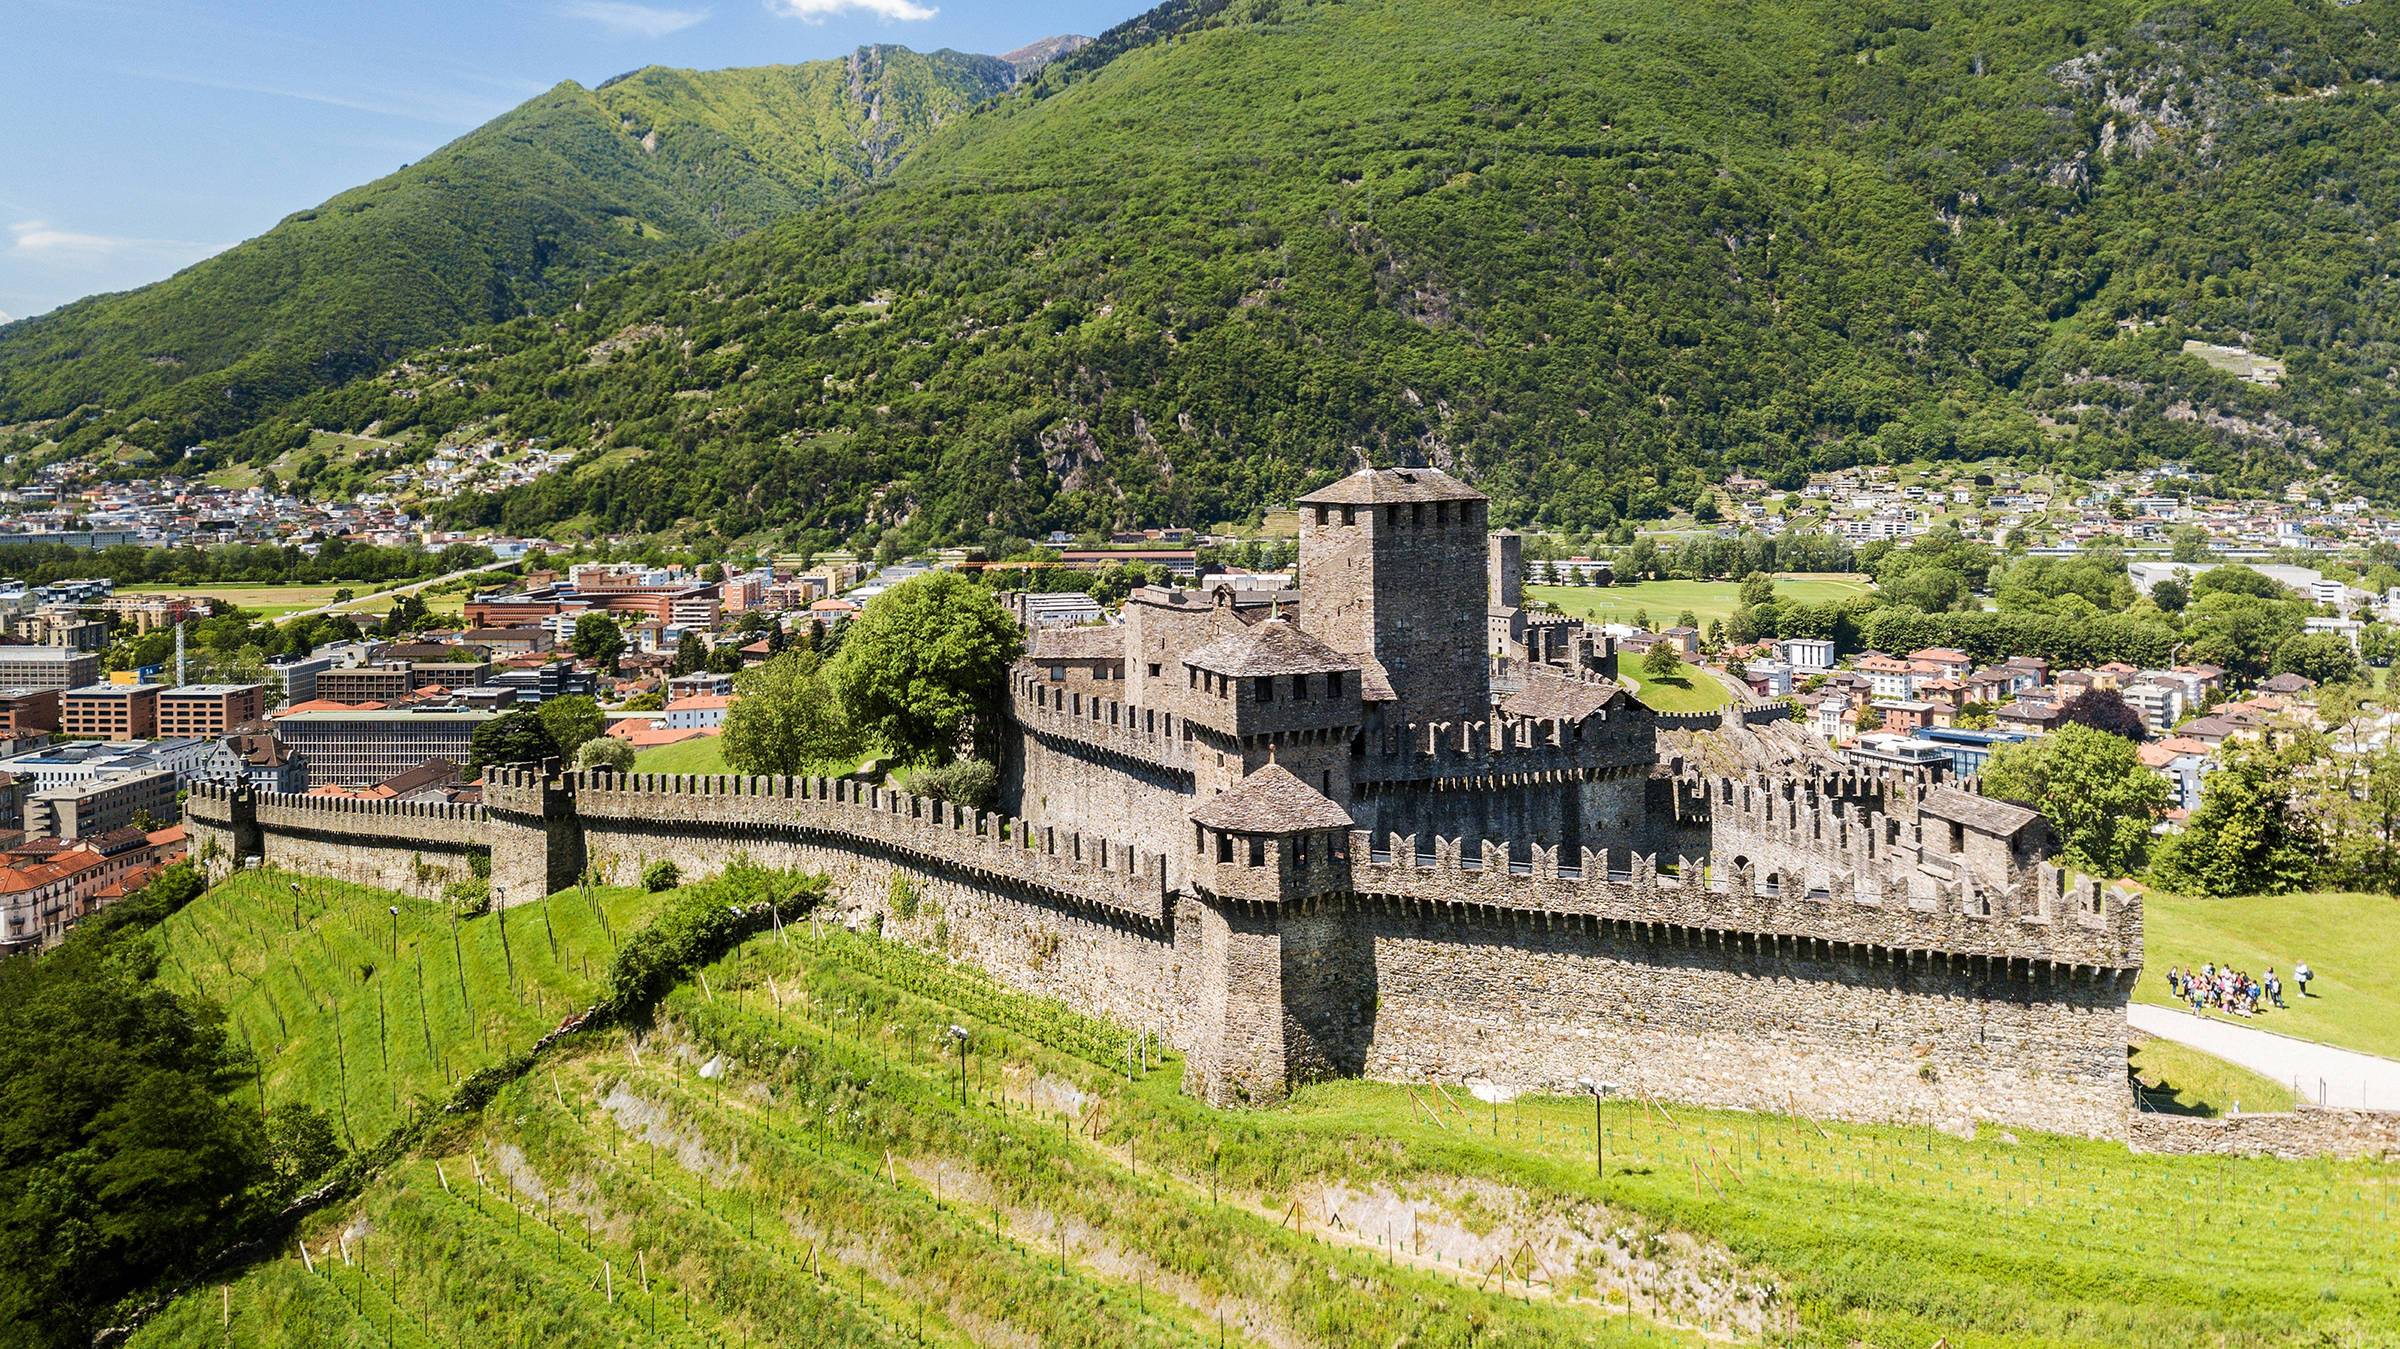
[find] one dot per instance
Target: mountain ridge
(1592, 256)
(569, 186)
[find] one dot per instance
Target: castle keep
(1301, 834)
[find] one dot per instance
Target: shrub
(472, 898)
(661, 875)
(971, 783)
(904, 897)
(606, 753)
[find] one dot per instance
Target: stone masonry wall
(2307, 1132)
(416, 848)
(1537, 1001)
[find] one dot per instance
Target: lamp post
(395, 931)
(959, 1034)
(295, 906)
(1600, 1091)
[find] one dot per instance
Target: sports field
(274, 601)
(1665, 600)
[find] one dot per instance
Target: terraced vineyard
(827, 1138)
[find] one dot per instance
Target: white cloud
(38, 239)
(631, 20)
(4, 318)
(818, 11)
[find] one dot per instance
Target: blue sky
(143, 135)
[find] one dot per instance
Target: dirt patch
(1576, 1249)
(650, 1122)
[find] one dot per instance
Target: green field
(701, 754)
(2180, 1080)
(2351, 942)
(274, 601)
(1693, 691)
(793, 1151)
(1664, 600)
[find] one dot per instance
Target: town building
(47, 667)
(117, 801)
(28, 712)
(110, 711)
(358, 748)
(382, 682)
(209, 711)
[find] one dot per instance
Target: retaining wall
(2310, 1131)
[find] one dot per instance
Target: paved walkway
(2322, 1073)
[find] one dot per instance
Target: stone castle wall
(414, 847)
(1535, 1001)
(1403, 956)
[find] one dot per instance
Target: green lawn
(701, 754)
(1664, 600)
(2352, 942)
(1692, 691)
(2180, 1080)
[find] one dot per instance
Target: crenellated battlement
(1147, 735)
(2058, 920)
(1522, 749)
(742, 810)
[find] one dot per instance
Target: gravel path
(2321, 1073)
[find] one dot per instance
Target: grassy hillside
(2351, 942)
(573, 185)
(794, 1152)
(1594, 254)
(701, 754)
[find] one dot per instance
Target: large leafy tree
(785, 719)
(510, 738)
(2325, 657)
(924, 669)
(598, 639)
(2105, 710)
(2092, 785)
(2248, 837)
(571, 721)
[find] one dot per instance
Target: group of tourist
(2222, 988)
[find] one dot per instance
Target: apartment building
(47, 667)
(110, 711)
(383, 682)
(82, 809)
(360, 748)
(25, 712)
(450, 674)
(209, 711)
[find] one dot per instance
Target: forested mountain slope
(574, 184)
(1591, 254)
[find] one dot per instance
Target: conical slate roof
(1273, 647)
(1270, 801)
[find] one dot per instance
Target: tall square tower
(1393, 571)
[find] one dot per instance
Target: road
(2321, 1073)
(364, 601)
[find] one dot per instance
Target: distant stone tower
(1508, 570)
(1393, 571)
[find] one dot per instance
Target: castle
(1299, 834)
